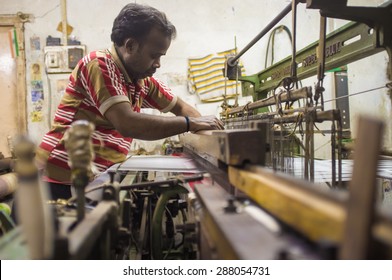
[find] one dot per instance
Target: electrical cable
(271, 41)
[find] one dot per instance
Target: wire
(360, 92)
(46, 13)
(328, 142)
(271, 41)
(297, 123)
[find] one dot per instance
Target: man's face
(144, 57)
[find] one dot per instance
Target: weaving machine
(269, 144)
(252, 191)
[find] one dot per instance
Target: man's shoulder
(97, 55)
(95, 59)
(154, 81)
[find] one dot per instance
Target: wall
(368, 74)
(203, 27)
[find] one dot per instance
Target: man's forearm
(184, 109)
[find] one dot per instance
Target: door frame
(17, 21)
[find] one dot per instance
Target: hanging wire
(49, 11)
(389, 85)
(271, 41)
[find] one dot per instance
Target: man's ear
(131, 45)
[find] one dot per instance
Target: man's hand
(204, 123)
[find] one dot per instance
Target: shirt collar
(117, 60)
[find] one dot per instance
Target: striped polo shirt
(98, 82)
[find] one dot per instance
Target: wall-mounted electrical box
(63, 59)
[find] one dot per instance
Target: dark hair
(136, 21)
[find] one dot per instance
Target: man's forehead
(157, 38)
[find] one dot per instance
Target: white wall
(367, 74)
(204, 27)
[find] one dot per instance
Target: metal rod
(294, 95)
(321, 50)
(294, 39)
(333, 154)
(306, 150)
(270, 115)
(321, 62)
(281, 15)
(312, 149)
(339, 121)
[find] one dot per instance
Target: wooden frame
(17, 21)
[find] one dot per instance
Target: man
(108, 88)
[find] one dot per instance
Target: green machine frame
(369, 33)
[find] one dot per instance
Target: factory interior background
(214, 27)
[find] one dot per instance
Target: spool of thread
(5, 208)
(8, 184)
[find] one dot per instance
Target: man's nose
(157, 63)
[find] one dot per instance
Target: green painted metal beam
(349, 43)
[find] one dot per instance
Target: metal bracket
(379, 18)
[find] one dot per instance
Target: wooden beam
(317, 215)
(361, 203)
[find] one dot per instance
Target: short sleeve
(159, 96)
(103, 82)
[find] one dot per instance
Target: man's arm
(184, 109)
(196, 120)
(151, 127)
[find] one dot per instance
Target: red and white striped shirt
(98, 82)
